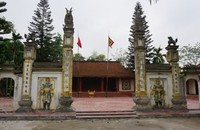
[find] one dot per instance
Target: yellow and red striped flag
(110, 42)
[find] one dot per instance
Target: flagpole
(78, 71)
(110, 43)
(107, 67)
(107, 54)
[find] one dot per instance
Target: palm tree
(16, 42)
(158, 57)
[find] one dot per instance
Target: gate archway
(192, 87)
(8, 91)
(7, 87)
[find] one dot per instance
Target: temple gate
(44, 89)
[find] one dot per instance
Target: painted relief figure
(46, 92)
(158, 93)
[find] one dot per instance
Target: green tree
(158, 57)
(6, 55)
(5, 26)
(147, 39)
(42, 28)
(56, 50)
(78, 57)
(96, 57)
(101, 57)
(190, 55)
(12, 50)
(2, 4)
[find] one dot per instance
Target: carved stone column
(67, 64)
(178, 98)
(29, 56)
(141, 99)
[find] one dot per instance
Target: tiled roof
(100, 69)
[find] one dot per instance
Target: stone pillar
(29, 56)
(198, 69)
(67, 64)
(199, 90)
(178, 98)
(141, 99)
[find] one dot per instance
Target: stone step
(105, 111)
(105, 114)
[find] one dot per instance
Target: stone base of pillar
(179, 103)
(25, 106)
(142, 103)
(65, 105)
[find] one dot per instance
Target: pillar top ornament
(30, 40)
(172, 52)
(172, 44)
(69, 25)
(30, 47)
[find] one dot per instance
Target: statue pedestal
(142, 103)
(65, 104)
(25, 106)
(179, 103)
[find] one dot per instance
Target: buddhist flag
(110, 42)
(79, 43)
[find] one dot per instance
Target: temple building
(105, 78)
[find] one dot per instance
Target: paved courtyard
(101, 103)
(104, 104)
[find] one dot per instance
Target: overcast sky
(94, 20)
